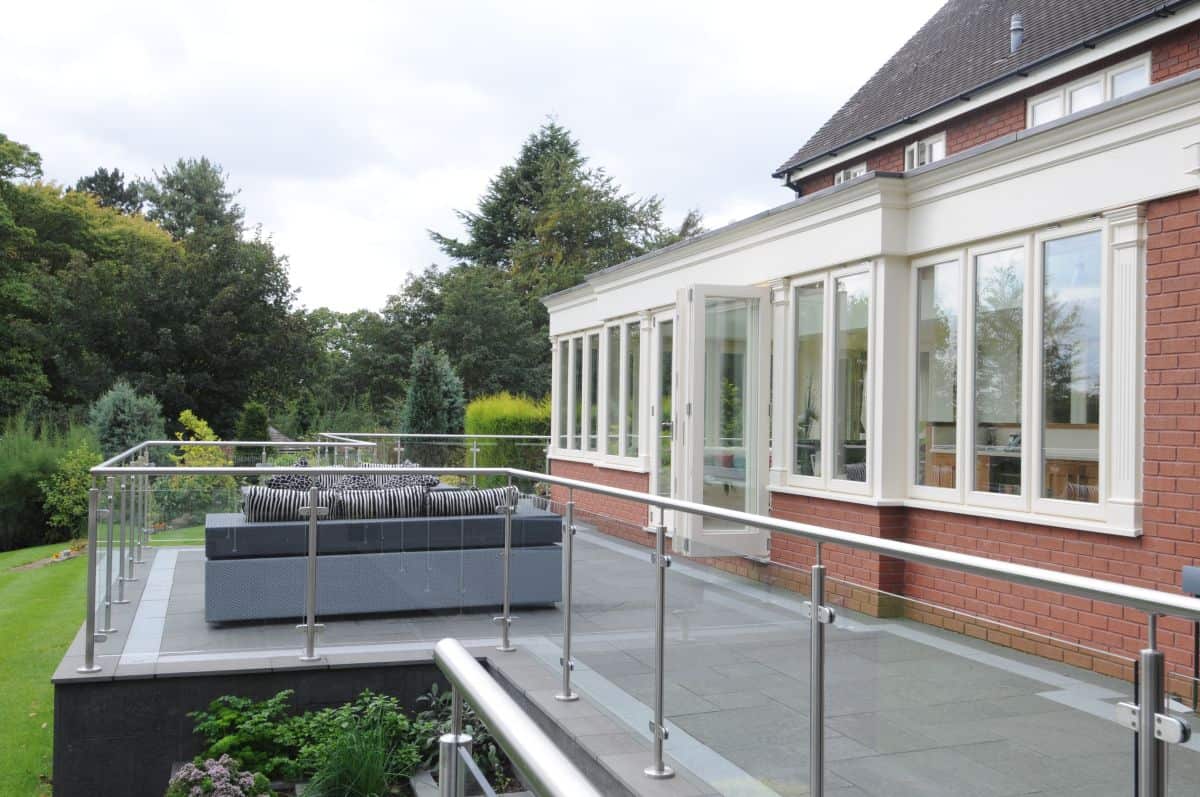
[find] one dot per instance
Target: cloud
(353, 128)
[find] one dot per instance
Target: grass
(40, 611)
(188, 535)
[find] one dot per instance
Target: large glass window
(633, 361)
(577, 391)
(999, 296)
(810, 339)
(852, 315)
(593, 390)
(612, 393)
(1071, 368)
(938, 299)
(562, 387)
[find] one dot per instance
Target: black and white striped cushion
(402, 479)
(379, 503)
(449, 503)
(263, 504)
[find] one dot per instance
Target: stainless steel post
(475, 462)
(127, 516)
(816, 684)
(310, 588)
(1151, 751)
(264, 455)
(108, 580)
(568, 546)
(90, 636)
(505, 619)
(124, 566)
(658, 728)
(452, 772)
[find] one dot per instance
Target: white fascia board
(1110, 46)
(1121, 155)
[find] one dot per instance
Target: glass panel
(1071, 368)
(1130, 80)
(593, 390)
(613, 392)
(562, 387)
(633, 362)
(810, 338)
(666, 341)
(852, 313)
(936, 150)
(730, 389)
(577, 386)
(999, 293)
(1087, 96)
(937, 374)
(1046, 110)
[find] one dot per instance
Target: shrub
(187, 497)
(506, 414)
(65, 491)
(435, 720)
(27, 458)
(434, 402)
(122, 418)
(221, 777)
(252, 423)
(358, 763)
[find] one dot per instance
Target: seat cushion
(399, 502)
(444, 503)
(264, 504)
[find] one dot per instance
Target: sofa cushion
(402, 479)
(263, 504)
(399, 502)
(445, 503)
(289, 481)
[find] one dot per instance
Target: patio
(910, 710)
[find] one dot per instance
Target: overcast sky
(352, 128)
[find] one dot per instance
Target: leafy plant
(359, 761)
(221, 777)
(29, 458)
(252, 423)
(506, 414)
(437, 717)
(252, 731)
(65, 491)
(122, 418)
(189, 496)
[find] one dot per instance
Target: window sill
(1055, 521)
(630, 465)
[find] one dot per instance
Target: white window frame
(961, 473)
(849, 173)
(1104, 76)
(913, 152)
(1030, 501)
(623, 459)
(1055, 506)
(826, 481)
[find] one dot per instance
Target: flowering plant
(219, 777)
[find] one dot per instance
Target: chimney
(1016, 33)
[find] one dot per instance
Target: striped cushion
(264, 504)
(368, 504)
(449, 503)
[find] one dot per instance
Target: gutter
(1163, 10)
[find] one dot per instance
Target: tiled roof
(963, 47)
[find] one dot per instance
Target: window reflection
(810, 325)
(937, 374)
(633, 359)
(1071, 368)
(852, 314)
(999, 296)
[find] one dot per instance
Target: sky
(352, 128)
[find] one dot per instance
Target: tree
(17, 161)
(111, 190)
(122, 418)
(191, 199)
(252, 423)
(435, 403)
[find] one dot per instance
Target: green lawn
(189, 535)
(40, 611)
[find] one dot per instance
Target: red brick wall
(1172, 54)
(623, 519)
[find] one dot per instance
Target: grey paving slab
(910, 710)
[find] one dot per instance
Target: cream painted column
(1124, 391)
(556, 368)
(780, 406)
(647, 430)
(889, 377)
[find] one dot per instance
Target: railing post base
(658, 728)
(567, 694)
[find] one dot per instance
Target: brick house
(975, 327)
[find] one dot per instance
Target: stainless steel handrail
(112, 461)
(1147, 600)
(543, 766)
(419, 436)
